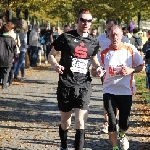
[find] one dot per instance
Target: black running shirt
(76, 52)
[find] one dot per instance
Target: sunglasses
(85, 20)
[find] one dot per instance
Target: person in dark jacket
(147, 63)
(8, 52)
(136, 40)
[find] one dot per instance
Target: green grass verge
(142, 91)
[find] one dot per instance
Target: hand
(59, 69)
(126, 70)
(97, 72)
(100, 72)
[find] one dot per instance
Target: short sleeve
(95, 46)
(59, 43)
(99, 39)
(138, 60)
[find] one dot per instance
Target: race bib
(115, 70)
(79, 65)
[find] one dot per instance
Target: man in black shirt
(78, 51)
(47, 34)
(29, 48)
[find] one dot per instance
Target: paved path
(29, 116)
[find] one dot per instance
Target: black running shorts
(123, 103)
(73, 97)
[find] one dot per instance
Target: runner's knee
(112, 126)
(65, 124)
(80, 118)
(79, 124)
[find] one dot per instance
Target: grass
(142, 91)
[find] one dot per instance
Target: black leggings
(123, 103)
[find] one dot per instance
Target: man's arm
(94, 61)
(127, 70)
(51, 57)
(96, 68)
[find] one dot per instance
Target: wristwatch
(133, 70)
(100, 67)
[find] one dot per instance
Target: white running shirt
(104, 42)
(112, 60)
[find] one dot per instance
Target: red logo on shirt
(80, 51)
(115, 71)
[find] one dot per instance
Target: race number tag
(79, 65)
(115, 71)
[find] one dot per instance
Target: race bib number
(79, 65)
(115, 70)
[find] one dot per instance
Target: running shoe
(115, 148)
(46, 62)
(105, 127)
(117, 127)
(124, 143)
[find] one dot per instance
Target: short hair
(135, 30)
(65, 26)
(6, 28)
(124, 28)
(83, 11)
(110, 20)
(12, 25)
(94, 29)
(116, 27)
(29, 27)
(35, 26)
(148, 31)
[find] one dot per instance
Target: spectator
(58, 32)
(28, 35)
(124, 30)
(136, 40)
(23, 49)
(66, 28)
(125, 36)
(144, 38)
(33, 42)
(53, 29)
(39, 47)
(131, 27)
(130, 33)
(148, 34)
(7, 53)
(147, 63)
(94, 32)
(74, 27)
(48, 37)
(15, 36)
